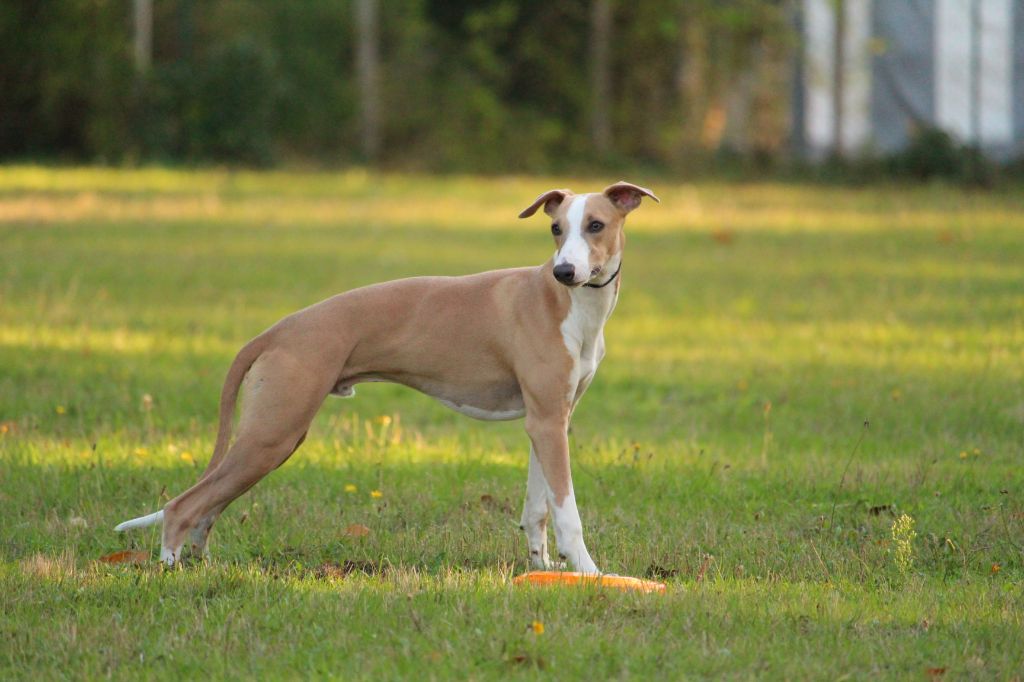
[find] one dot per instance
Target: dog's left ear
(626, 196)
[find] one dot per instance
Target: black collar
(610, 279)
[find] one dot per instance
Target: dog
(499, 345)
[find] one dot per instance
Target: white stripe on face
(575, 250)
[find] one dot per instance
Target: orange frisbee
(619, 582)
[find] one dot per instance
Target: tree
(143, 38)
(367, 75)
(600, 76)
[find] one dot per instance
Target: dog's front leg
(535, 516)
(551, 448)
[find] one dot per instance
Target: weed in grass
(903, 535)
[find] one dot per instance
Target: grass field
(790, 370)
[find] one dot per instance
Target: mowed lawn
(791, 369)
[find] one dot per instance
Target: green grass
(721, 448)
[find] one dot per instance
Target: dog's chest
(583, 335)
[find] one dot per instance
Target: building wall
(874, 70)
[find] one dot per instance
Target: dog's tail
(228, 397)
(142, 521)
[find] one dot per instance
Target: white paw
(549, 565)
(169, 557)
(540, 560)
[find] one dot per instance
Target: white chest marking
(583, 333)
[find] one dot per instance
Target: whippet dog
(498, 345)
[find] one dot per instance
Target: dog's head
(588, 229)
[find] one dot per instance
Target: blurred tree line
(489, 85)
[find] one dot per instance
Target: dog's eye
(556, 230)
(595, 226)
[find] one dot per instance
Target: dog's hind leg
(282, 398)
(199, 536)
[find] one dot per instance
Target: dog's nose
(565, 273)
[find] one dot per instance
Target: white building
(872, 70)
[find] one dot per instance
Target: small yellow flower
(187, 456)
(996, 568)
(538, 627)
(963, 454)
(977, 452)
(60, 409)
(384, 420)
(376, 494)
(3, 428)
(350, 487)
(141, 452)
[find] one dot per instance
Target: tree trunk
(600, 76)
(367, 68)
(691, 82)
(143, 38)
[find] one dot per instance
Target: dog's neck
(590, 307)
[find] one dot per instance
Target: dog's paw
(546, 564)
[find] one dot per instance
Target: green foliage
(500, 85)
(933, 153)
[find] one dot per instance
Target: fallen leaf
(126, 556)
(723, 236)
(935, 672)
(527, 659)
(357, 530)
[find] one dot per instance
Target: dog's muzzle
(565, 273)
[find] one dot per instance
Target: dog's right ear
(551, 200)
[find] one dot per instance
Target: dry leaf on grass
(723, 236)
(126, 556)
(357, 530)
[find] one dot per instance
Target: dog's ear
(626, 196)
(551, 200)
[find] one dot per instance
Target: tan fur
(488, 342)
